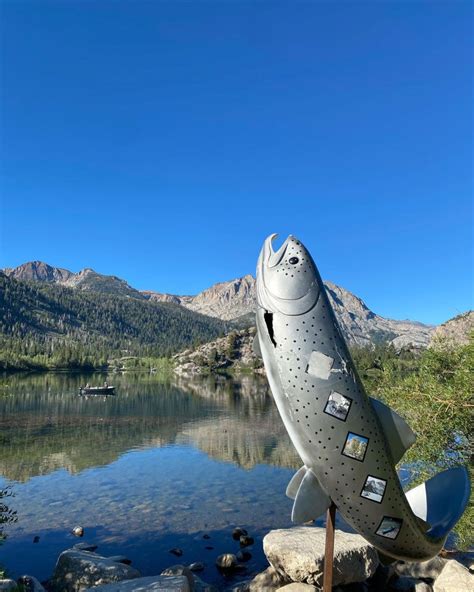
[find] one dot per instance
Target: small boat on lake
(97, 390)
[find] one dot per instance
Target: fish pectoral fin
(311, 500)
(256, 347)
(294, 484)
(399, 434)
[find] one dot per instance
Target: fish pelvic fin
(294, 484)
(311, 500)
(398, 433)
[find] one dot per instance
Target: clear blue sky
(163, 141)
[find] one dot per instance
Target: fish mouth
(273, 258)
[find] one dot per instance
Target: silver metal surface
(348, 442)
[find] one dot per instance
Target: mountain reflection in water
(153, 467)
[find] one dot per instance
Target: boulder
(78, 570)
(85, 546)
(149, 584)
(180, 570)
(425, 569)
(298, 554)
(7, 584)
(298, 587)
(454, 578)
(120, 559)
(201, 586)
(268, 581)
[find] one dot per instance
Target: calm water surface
(152, 468)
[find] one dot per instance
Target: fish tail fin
(440, 502)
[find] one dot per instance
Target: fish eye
(293, 260)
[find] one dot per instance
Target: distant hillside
(454, 332)
(235, 301)
(62, 326)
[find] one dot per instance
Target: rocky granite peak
(237, 298)
(38, 271)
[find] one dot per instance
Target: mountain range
(235, 301)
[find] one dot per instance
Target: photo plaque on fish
(349, 443)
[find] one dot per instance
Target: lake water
(154, 467)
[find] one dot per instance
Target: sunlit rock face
(454, 332)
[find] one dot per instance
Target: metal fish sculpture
(349, 443)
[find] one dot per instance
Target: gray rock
(201, 586)
(120, 559)
(7, 584)
(268, 581)
(180, 570)
(78, 531)
(298, 587)
(246, 541)
(226, 561)
(426, 569)
(76, 571)
(149, 584)
(454, 578)
(382, 577)
(85, 546)
(30, 584)
(298, 553)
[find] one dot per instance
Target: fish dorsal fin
(311, 500)
(256, 347)
(294, 484)
(398, 433)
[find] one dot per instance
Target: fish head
(287, 279)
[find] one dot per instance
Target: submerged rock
(246, 541)
(77, 570)
(177, 551)
(226, 561)
(454, 578)
(238, 532)
(298, 554)
(244, 555)
(148, 584)
(6, 585)
(196, 566)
